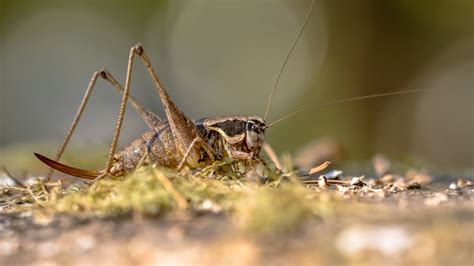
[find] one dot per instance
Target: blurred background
(222, 57)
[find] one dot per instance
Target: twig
(180, 200)
(329, 181)
(319, 168)
(30, 191)
(9, 175)
(272, 155)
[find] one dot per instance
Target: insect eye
(251, 126)
(248, 126)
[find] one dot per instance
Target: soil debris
(157, 215)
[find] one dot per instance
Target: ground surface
(413, 218)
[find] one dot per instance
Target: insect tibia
(151, 119)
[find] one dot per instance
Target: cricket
(180, 141)
(187, 190)
(172, 143)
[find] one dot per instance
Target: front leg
(240, 155)
(197, 141)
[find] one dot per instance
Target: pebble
(414, 185)
(208, 205)
(453, 186)
(322, 182)
(357, 181)
(462, 183)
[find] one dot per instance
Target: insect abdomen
(158, 144)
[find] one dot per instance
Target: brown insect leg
(272, 155)
(123, 105)
(144, 159)
(183, 129)
(239, 155)
(208, 149)
(151, 119)
(186, 154)
(195, 141)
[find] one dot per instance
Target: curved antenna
(349, 100)
(287, 58)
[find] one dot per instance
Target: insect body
(175, 142)
(237, 137)
(172, 143)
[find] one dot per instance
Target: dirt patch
(331, 218)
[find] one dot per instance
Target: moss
(142, 191)
(269, 209)
(278, 205)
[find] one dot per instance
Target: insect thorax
(233, 133)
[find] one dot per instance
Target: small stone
(453, 186)
(322, 182)
(414, 185)
(372, 183)
(418, 176)
(386, 179)
(400, 182)
(343, 189)
(462, 183)
(333, 174)
(208, 205)
(357, 181)
(380, 193)
(394, 189)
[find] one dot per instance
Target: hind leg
(151, 119)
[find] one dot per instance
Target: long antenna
(349, 100)
(288, 57)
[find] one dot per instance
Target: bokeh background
(222, 57)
